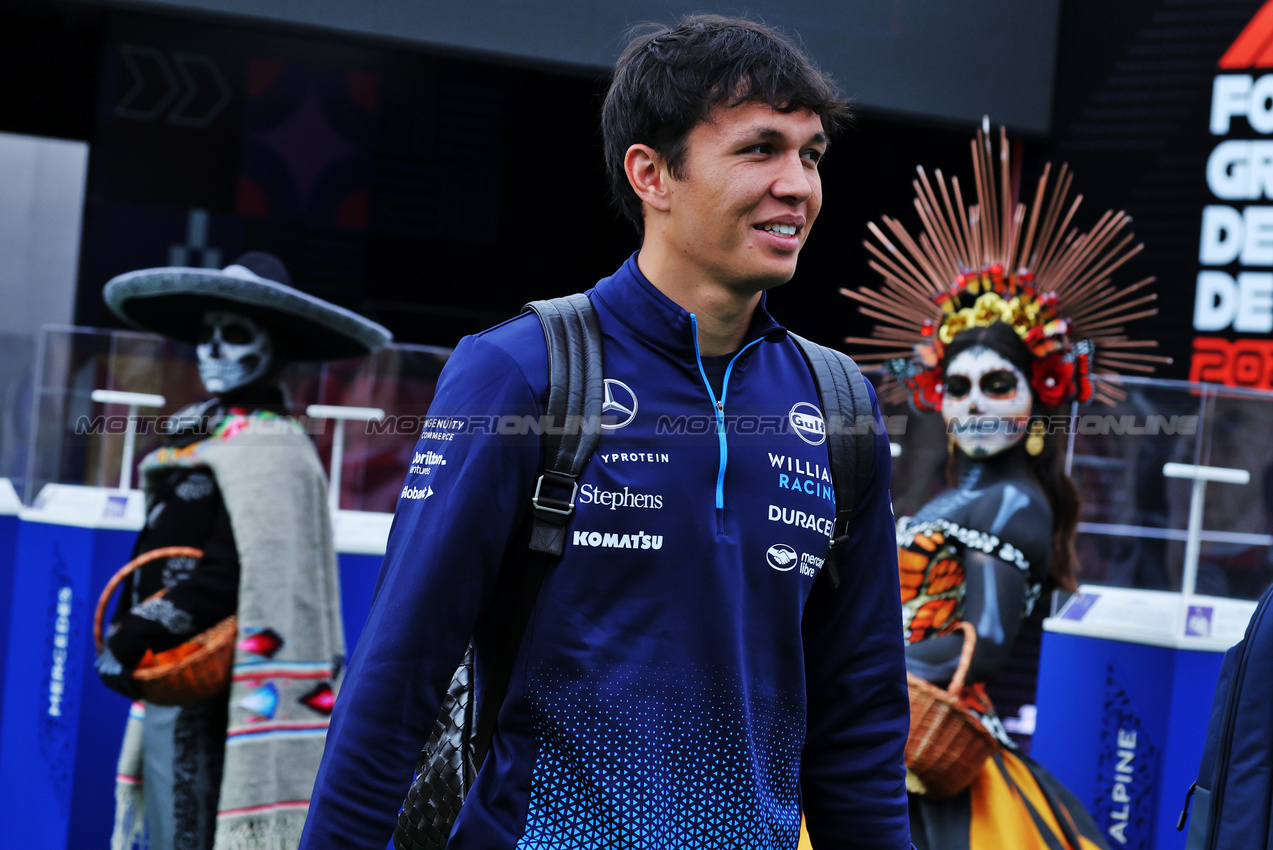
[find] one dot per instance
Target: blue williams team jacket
(678, 686)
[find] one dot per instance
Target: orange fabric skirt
(1011, 809)
(1013, 803)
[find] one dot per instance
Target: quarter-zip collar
(649, 313)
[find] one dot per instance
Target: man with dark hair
(684, 681)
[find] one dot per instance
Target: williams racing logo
(806, 421)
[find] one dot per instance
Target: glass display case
(17, 359)
(1134, 519)
(73, 439)
(1134, 522)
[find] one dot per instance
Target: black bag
(1233, 797)
(449, 762)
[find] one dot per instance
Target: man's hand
(115, 675)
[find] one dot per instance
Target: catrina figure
(996, 316)
(239, 481)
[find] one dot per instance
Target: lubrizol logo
(807, 422)
(781, 557)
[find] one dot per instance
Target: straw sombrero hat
(172, 302)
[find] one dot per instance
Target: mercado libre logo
(781, 557)
(1234, 295)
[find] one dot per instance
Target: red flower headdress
(986, 263)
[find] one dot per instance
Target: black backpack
(449, 762)
(1233, 797)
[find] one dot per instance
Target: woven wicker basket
(947, 746)
(197, 669)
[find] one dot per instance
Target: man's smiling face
(748, 194)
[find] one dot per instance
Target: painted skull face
(233, 351)
(985, 402)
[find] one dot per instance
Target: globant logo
(416, 493)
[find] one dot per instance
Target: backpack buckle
(553, 505)
(839, 536)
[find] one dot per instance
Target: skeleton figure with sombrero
(240, 482)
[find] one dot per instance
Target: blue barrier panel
(1123, 712)
(9, 507)
(357, 582)
(360, 547)
(61, 728)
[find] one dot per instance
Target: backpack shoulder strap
(569, 434)
(846, 409)
(570, 430)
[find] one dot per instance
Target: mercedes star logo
(619, 407)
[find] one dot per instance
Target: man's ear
(648, 176)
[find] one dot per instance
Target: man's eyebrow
(770, 134)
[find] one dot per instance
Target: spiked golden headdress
(985, 263)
